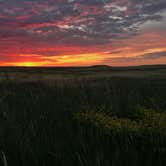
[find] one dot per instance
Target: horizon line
(164, 64)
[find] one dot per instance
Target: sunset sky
(82, 32)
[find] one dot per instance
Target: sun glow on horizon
(26, 64)
(23, 64)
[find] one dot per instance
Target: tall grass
(117, 121)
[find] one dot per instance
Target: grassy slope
(46, 74)
(46, 125)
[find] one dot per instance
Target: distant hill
(142, 67)
(101, 66)
(82, 69)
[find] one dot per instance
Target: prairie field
(100, 115)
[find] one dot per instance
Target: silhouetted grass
(101, 122)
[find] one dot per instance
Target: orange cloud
(120, 53)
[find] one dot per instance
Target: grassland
(97, 116)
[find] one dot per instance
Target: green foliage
(147, 122)
(107, 123)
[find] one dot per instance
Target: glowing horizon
(82, 33)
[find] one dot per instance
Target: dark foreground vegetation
(91, 122)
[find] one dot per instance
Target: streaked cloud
(81, 28)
